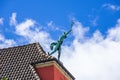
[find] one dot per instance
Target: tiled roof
(15, 62)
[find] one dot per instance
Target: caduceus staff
(56, 46)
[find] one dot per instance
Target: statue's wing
(52, 44)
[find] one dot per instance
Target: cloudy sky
(90, 52)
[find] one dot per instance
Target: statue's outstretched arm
(72, 23)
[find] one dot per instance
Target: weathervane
(56, 46)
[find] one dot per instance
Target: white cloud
(50, 23)
(1, 21)
(114, 33)
(13, 21)
(23, 28)
(52, 26)
(31, 32)
(97, 36)
(28, 30)
(4, 43)
(111, 6)
(96, 58)
(79, 31)
(94, 21)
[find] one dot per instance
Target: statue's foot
(48, 53)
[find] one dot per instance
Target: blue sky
(60, 12)
(94, 40)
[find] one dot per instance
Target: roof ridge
(44, 53)
(21, 45)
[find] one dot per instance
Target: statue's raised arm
(66, 33)
(70, 29)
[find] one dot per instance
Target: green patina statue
(56, 46)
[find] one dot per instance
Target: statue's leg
(59, 53)
(52, 45)
(52, 52)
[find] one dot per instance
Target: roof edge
(40, 47)
(20, 45)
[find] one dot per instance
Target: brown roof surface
(15, 62)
